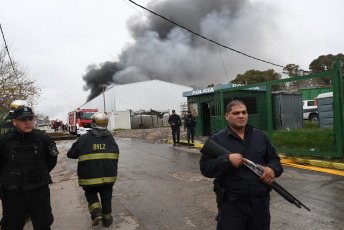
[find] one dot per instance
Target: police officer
(97, 154)
(245, 198)
(7, 124)
(26, 158)
(190, 124)
(175, 123)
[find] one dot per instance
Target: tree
(325, 63)
(293, 70)
(15, 84)
(255, 76)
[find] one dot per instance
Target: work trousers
(175, 132)
(36, 202)
(244, 215)
(104, 206)
(190, 132)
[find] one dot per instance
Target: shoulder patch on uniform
(53, 149)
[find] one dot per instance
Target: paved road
(160, 187)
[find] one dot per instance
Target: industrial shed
(150, 95)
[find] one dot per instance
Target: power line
(9, 56)
(199, 35)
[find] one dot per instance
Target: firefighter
(97, 154)
(7, 125)
(27, 156)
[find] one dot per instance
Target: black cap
(189, 111)
(23, 111)
(173, 111)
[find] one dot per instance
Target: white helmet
(15, 104)
(99, 120)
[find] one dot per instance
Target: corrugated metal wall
(145, 95)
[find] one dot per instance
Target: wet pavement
(160, 187)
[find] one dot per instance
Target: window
(193, 109)
(250, 102)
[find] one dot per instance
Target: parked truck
(310, 110)
(79, 121)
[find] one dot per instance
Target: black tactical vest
(25, 167)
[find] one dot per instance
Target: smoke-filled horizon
(166, 52)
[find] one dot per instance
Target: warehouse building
(142, 101)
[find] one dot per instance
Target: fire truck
(79, 121)
(56, 124)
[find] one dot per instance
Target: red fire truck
(79, 121)
(56, 124)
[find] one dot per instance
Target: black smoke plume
(164, 51)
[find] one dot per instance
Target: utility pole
(104, 96)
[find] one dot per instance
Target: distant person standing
(98, 153)
(189, 125)
(175, 123)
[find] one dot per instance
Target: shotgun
(213, 149)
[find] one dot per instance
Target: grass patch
(316, 140)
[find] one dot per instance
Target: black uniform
(6, 126)
(98, 153)
(175, 119)
(26, 160)
(246, 204)
(190, 124)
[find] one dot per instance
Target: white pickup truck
(310, 110)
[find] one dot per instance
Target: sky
(70, 47)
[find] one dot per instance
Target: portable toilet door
(325, 110)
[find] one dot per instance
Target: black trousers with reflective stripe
(105, 193)
(36, 202)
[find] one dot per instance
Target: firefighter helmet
(15, 104)
(100, 120)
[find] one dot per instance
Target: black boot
(96, 219)
(107, 220)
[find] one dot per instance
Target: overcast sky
(57, 40)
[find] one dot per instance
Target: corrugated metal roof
(144, 95)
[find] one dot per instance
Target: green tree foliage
(325, 63)
(255, 76)
(293, 70)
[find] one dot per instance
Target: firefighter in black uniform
(97, 154)
(26, 158)
(175, 123)
(6, 125)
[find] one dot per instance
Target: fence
(277, 108)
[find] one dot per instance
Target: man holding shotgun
(243, 198)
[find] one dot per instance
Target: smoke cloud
(164, 51)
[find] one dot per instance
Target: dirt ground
(156, 134)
